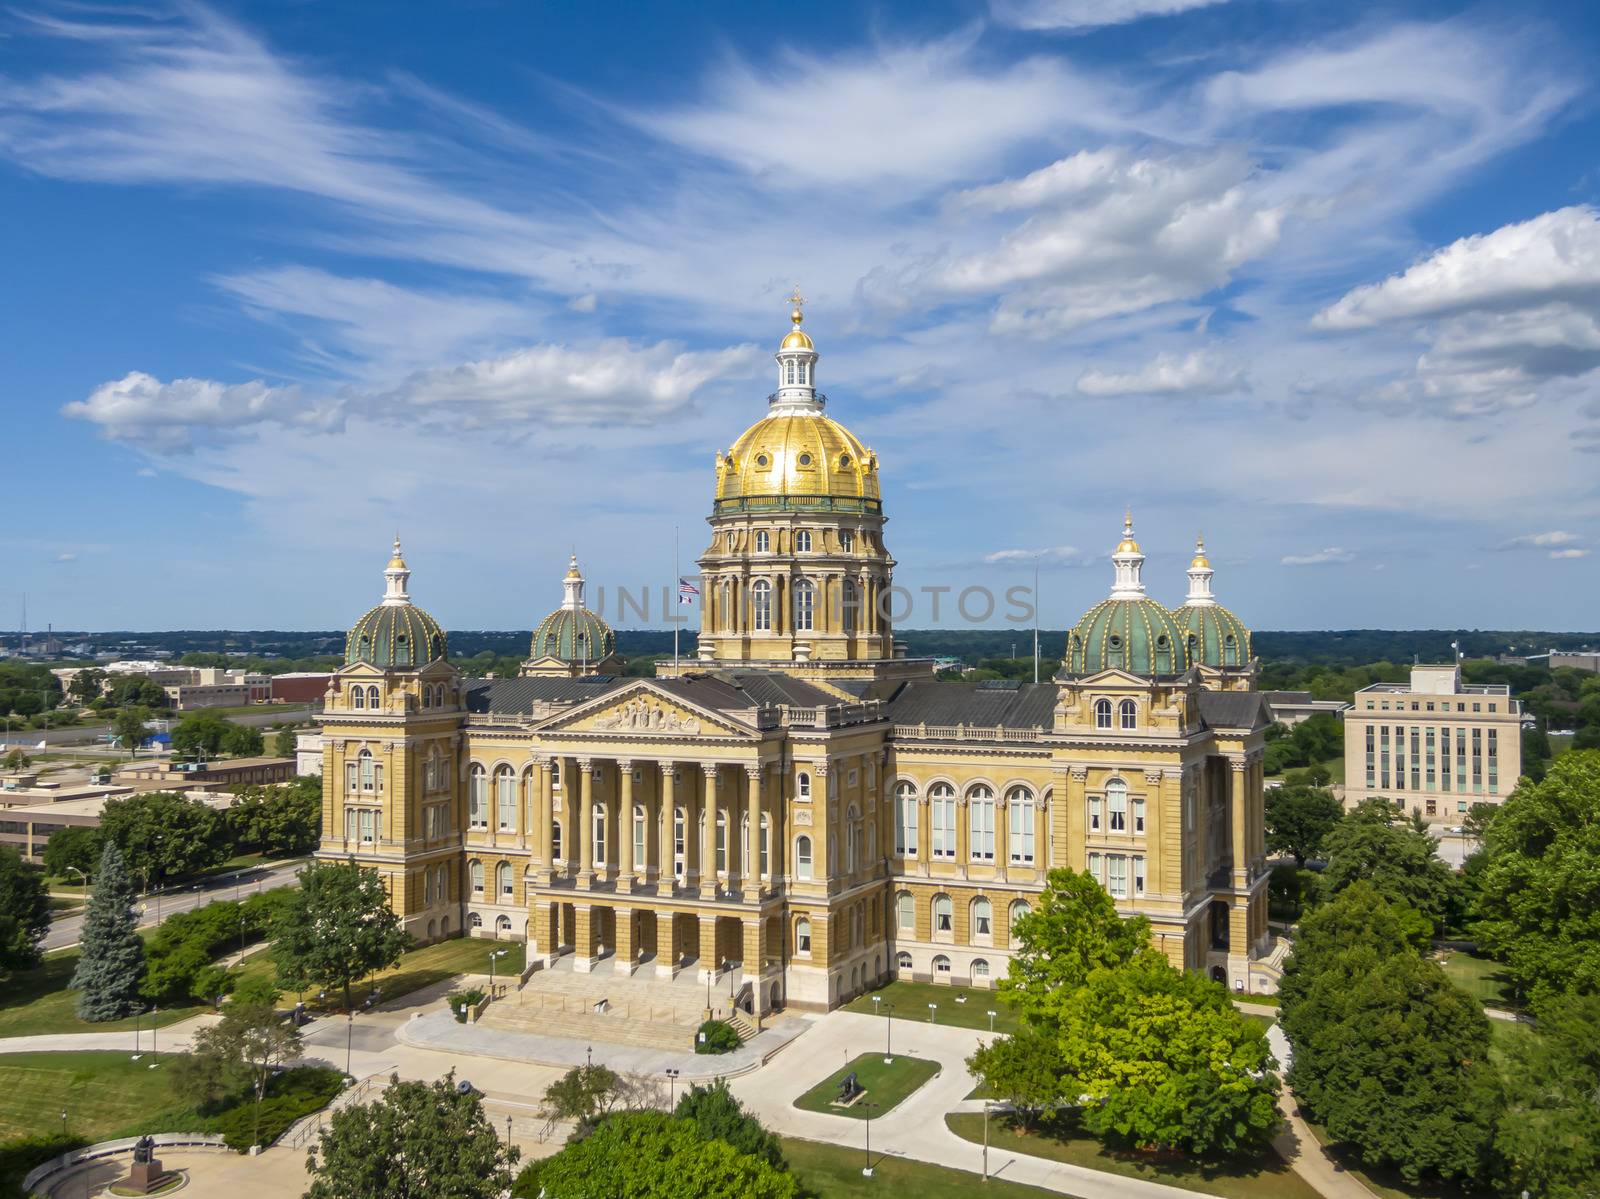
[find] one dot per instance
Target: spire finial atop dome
(1200, 572)
(1128, 561)
(797, 304)
(1200, 559)
(572, 586)
(797, 364)
(396, 575)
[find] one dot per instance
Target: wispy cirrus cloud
(1570, 553)
(1086, 14)
(1058, 555)
(1319, 557)
(1196, 373)
(1544, 540)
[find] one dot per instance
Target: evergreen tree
(111, 954)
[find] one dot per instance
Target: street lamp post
(991, 1019)
(492, 956)
(349, 1037)
(866, 1170)
(672, 1085)
(932, 1008)
(136, 1054)
(63, 1121)
(986, 1140)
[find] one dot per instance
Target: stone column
(666, 945)
(752, 868)
(627, 953)
(539, 832)
(1236, 794)
(1002, 837)
(963, 837)
(707, 970)
(708, 844)
(583, 821)
(1041, 835)
(754, 959)
(666, 879)
(584, 939)
(546, 935)
(625, 862)
(1074, 821)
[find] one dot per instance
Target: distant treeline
(279, 650)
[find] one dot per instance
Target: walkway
(1299, 1146)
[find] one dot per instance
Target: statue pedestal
(144, 1177)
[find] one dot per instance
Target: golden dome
(1200, 561)
(798, 460)
(396, 562)
(1127, 545)
(797, 339)
(572, 568)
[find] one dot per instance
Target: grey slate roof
(1232, 709)
(1286, 697)
(722, 691)
(519, 695)
(1028, 706)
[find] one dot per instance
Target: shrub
(21, 1154)
(462, 1002)
(716, 1036)
(291, 1095)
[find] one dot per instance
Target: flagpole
(675, 586)
(1036, 619)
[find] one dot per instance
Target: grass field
(420, 968)
(887, 1085)
(964, 1007)
(101, 1093)
(1267, 1178)
(38, 1001)
(833, 1172)
(1481, 978)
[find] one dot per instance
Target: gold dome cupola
(797, 366)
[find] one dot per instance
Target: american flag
(686, 591)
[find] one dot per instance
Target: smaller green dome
(395, 637)
(1214, 635)
(573, 635)
(1135, 635)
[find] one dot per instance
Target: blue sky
(1320, 280)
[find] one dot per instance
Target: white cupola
(797, 365)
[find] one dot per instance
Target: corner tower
(797, 572)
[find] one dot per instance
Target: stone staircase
(603, 1006)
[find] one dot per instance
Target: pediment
(645, 711)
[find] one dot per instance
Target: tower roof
(1129, 630)
(396, 634)
(572, 632)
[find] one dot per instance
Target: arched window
(1020, 813)
(944, 922)
(1117, 805)
(477, 797)
(980, 968)
(905, 820)
(942, 809)
(802, 857)
(905, 911)
(1102, 713)
(372, 697)
(476, 869)
(599, 833)
(369, 773)
(847, 541)
(982, 918)
(474, 920)
(427, 696)
(358, 697)
(805, 602)
(763, 541)
(502, 876)
(1128, 711)
(941, 964)
(802, 936)
(802, 541)
(761, 606)
(502, 924)
(1018, 909)
(803, 785)
(555, 774)
(903, 960)
(980, 823)
(505, 798)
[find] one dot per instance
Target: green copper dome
(1215, 636)
(395, 637)
(1135, 635)
(573, 635)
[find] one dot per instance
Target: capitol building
(800, 811)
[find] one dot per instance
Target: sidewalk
(1298, 1145)
(172, 1038)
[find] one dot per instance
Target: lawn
(834, 1172)
(38, 1001)
(887, 1085)
(1481, 978)
(420, 968)
(964, 1007)
(1266, 1178)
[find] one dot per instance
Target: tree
(1535, 752)
(1025, 1070)
(1539, 895)
(1072, 930)
(243, 1049)
(281, 820)
(418, 1141)
(162, 835)
(1374, 844)
(1162, 1059)
(284, 742)
(200, 733)
(111, 954)
(652, 1153)
(16, 759)
(131, 725)
(24, 911)
(583, 1094)
(87, 684)
(1388, 1054)
(721, 1117)
(75, 847)
(135, 689)
(1299, 819)
(1547, 1142)
(337, 928)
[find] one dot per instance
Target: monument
(146, 1174)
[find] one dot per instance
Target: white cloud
(613, 382)
(1086, 14)
(66, 556)
(1108, 233)
(170, 417)
(910, 113)
(587, 302)
(1573, 553)
(1055, 554)
(1541, 540)
(1167, 374)
(1331, 554)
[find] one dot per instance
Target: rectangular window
(677, 843)
(369, 824)
(1494, 761)
(1430, 761)
(905, 826)
(1477, 759)
(1117, 876)
(1416, 760)
(1383, 755)
(1020, 840)
(722, 845)
(1138, 876)
(638, 839)
(1444, 759)
(981, 827)
(349, 776)
(1372, 756)
(352, 824)
(944, 827)
(1138, 816)
(1461, 759)
(1117, 809)
(1094, 869)
(506, 787)
(1094, 813)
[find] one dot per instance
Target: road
(65, 930)
(82, 734)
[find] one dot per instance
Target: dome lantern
(1200, 578)
(1215, 636)
(1129, 563)
(572, 640)
(797, 364)
(396, 635)
(1127, 631)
